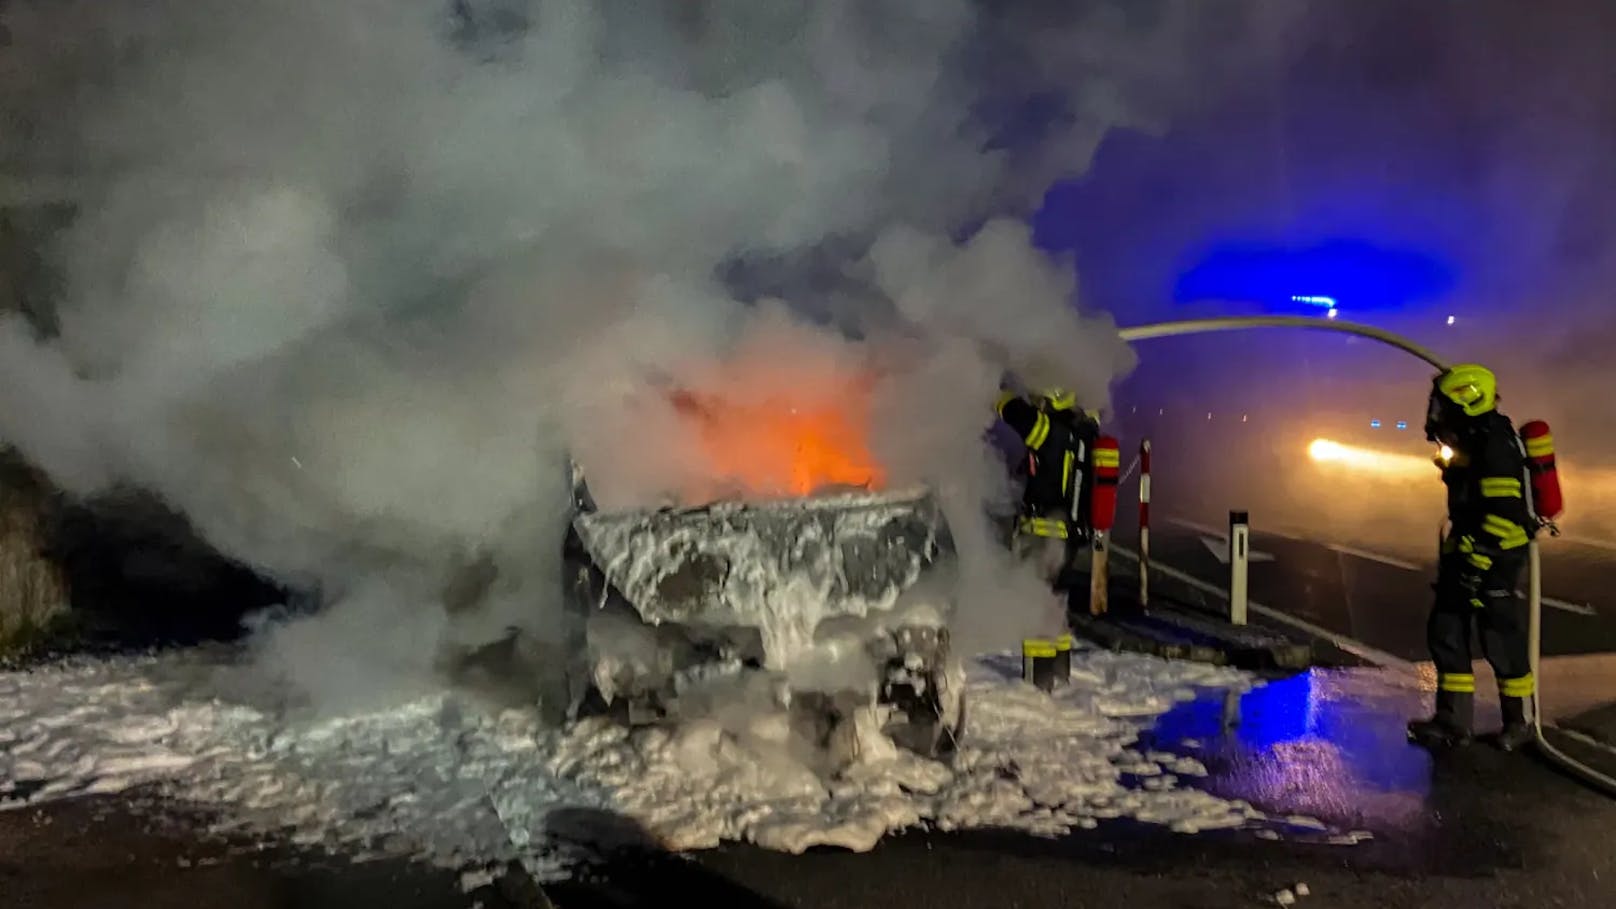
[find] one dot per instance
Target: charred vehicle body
(834, 606)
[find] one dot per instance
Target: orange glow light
(1367, 460)
(786, 448)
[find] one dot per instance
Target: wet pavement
(1476, 827)
(123, 850)
(1473, 828)
(1382, 599)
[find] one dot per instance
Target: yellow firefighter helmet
(1474, 388)
(1060, 398)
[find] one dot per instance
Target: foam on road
(444, 778)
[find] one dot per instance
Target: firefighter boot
(1517, 732)
(1450, 726)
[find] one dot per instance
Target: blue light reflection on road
(1303, 744)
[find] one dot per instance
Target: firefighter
(1490, 524)
(1059, 438)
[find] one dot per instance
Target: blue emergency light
(1374, 424)
(1324, 302)
(1402, 424)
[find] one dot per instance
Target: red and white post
(1144, 523)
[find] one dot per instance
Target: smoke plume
(349, 279)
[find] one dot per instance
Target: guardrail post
(1100, 574)
(1239, 560)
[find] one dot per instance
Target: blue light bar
(1402, 424)
(1374, 424)
(1326, 302)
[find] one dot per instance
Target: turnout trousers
(1499, 614)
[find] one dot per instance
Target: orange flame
(786, 447)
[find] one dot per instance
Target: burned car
(835, 606)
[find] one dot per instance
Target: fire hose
(1237, 323)
(1587, 775)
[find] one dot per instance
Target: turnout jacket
(1490, 514)
(1059, 449)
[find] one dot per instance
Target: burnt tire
(928, 722)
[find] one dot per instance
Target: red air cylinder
(1547, 499)
(1107, 470)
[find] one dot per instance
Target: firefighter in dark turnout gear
(1490, 524)
(1060, 441)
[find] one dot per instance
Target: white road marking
(1590, 542)
(1220, 533)
(1374, 557)
(1221, 538)
(1220, 548)
(1350, 645)
(1578, 608)
(1584, 738)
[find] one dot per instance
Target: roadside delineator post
(1063, 659)
(1144, 523)
(1102, 515)
(1239, 559)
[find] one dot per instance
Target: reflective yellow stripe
(1521, 687)
(1510, 534)
(1005, 398)
(1107, 457)
(1467, 544)
(1537, 448)
(1044, 527)
(1039, 433)
(1480, 561)
(1500, 487)
(1037, 647)
(1457, 683)
(1066, 471)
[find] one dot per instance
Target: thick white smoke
(349, 277)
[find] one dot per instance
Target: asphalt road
(1382, 597)
(1470, 829)
(1474, 828)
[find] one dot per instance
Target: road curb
(1175, 630)
(1173, 634)
(1122, 634)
